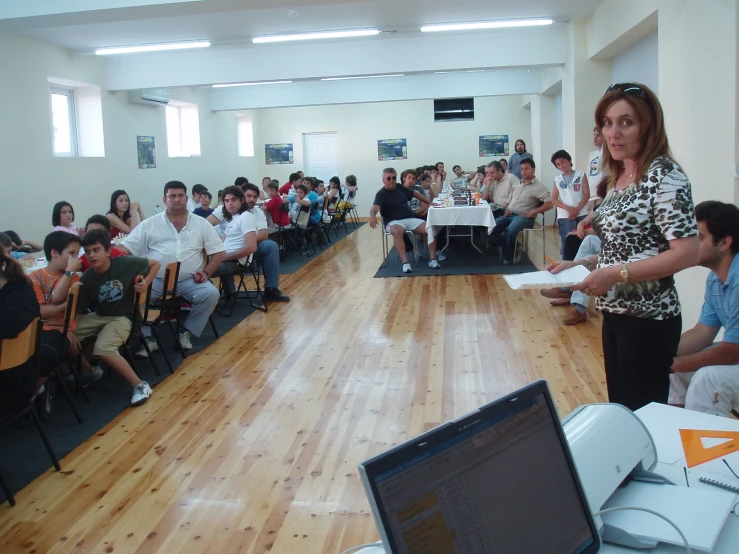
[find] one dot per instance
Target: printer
(610, 446)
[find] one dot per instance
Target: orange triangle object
(696, 453)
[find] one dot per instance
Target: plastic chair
(386, 249)
(25, 348)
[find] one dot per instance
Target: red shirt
(284, 189)
(114, 253)
(274, 206)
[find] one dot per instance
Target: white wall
(360, 126)
(34, 179)
(638, 64)
(558, 120)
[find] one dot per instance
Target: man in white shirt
(241, 237)
(500, 190)
(596, 171)
(177, 235)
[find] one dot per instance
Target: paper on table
(699, 512)
(537, 279)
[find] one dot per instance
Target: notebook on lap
(500, 479)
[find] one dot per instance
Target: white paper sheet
(699, 512)
(538, 279)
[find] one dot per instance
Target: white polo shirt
(239, 225)
(260, 218)
(157, 238)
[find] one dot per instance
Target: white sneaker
(407, 268)
(185, 340)
(441, 257)
(433, 264)
(142, 353)
(141, 393)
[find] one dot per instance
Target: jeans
(510, 225)
(226, 272)
(269, 252)
(589, 246)
(566, 226)
(202, 296)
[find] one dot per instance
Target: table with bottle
(458, 208)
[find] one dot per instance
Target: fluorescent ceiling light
(486, 25)
(460, 71)
(152, 47)
(251, 84)
(362, 77)
(317, 36)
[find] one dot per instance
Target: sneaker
(275, 295)
(441, 257)
(95, 374)
(434, 264)
(141, 393)
(142, 353)
(185, 341)
(407, 268)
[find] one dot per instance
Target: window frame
(72, 117)
(179, 142)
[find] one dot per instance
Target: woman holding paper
(648, 231)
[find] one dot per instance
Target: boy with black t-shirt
(109, 288)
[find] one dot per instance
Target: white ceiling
(89, 24)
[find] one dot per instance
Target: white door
(321, 155)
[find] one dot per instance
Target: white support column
(544, 140)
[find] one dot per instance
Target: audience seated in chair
(197, 190)
(392, 203)
(109, 289)
(292, 183)
(528, 200)
(99, 223)
(123, 214)
(310, 199)
(51, 285)
(20, 248)
(273, 206)
(62, 218)
(177, 235)
(499, 190)
(204, 210)
(240, 241)
(705, 375)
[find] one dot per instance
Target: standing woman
(120, 216)
(648, 230)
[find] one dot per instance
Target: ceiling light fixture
(459, 71)
(362, 77)
(152, 47)
(251, 84)
(316, 36)
(486, 25)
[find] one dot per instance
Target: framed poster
(146, 152)
(392, 149)
(493, 145)
(278, 154)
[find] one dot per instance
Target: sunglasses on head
(630, 89)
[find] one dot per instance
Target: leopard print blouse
(638, 223)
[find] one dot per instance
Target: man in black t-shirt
(392, 202)
(108, 288)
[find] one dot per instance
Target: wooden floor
(252, 446)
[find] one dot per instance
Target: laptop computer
(500, 479)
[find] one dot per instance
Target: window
(183, 130)
(454, 109)
(63, 121)
(245, 135)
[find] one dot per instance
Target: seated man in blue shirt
(204, 210)
(392, 201)
(705, 374)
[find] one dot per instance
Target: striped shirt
(721, 303)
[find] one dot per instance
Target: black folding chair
(254, 268)
(25, 348)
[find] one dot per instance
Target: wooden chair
(150, 318)
(25, 348)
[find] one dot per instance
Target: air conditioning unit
(153, 97)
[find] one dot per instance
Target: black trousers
(638, 354)
(572, 245)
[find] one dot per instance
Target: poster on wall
(392, 149)
(278, 154)
(493, 145)
(147, 152)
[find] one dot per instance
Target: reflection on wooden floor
(252, 446)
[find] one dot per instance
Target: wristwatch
(625, 273)
(69, 274)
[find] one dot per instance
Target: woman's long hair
(10, 270)
(56, 213)
(652, 134)
(114, 209)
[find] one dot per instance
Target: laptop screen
(500, 480)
